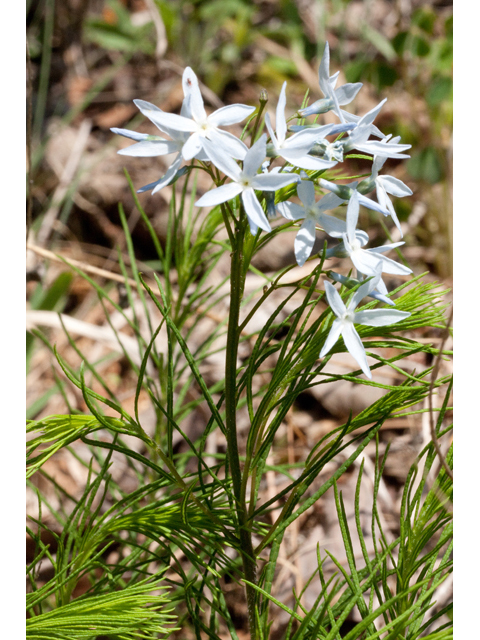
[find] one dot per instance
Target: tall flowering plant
(204, 525)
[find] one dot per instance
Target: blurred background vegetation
(90, 58)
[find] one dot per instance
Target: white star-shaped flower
(346, 191)
(295, 149)
(359, 138)
(150, 146)
(350, 282)
(245, 181)
(366, 261)
(323, 148)
(184, 143)
(385, 184)
(312, 214)
(201, 126)
(347, 317)
(333, 97)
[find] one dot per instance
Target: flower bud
(320, 106)
(367, 185)
(343, 191)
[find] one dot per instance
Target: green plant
(155, 558)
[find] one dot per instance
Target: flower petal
(333, 80)
(304, 242)
(382, 196)
(129, 134)
(334, 300)
(150, 148)
(378, 148)
(395, 268)
(386, 247)
(324, 71)
(370, 204)
(328, 202)
(323, 130)
(336, 106)
(219, 195)
(353, 119)
(230, 144)
(380, 317)
(347, 92)
(253, 210)
(333, 226)
(365, 262)
(192, 146)
(304, 140)
(271, 133)
(231, 114)
(380, 293)
(352, 216)
(291, 211)
(273, 181)
(146, 107)
(335, 331)
(306, 192)
(358, 136)
(378, 162)
(170, 175)
(369, 117)
(385, 202)
(280, 122)
(149, 110)
(166, 179)
(381, 297)
(171, 120)
(362, 237)
(194, 100)
(222, 160)
(255, 156)
(364, 290)
(394, 186)
(381, 287)
(355, 347)
(304, 161)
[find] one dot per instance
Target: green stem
(263, 102)
(237, 282)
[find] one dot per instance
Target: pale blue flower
(333, 97)
(295, 149)
(366, 261)
(350, 282)
(312, 214)
(347, 317)
(346, 191)
(150, 146)
(385, 184)
(200, 126)
(323, 148)
(359, 138)
(330, 150)
(270, 195)
(188, 131)
(245, 182)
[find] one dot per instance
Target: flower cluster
(194, 135)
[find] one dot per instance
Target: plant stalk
(237, 282)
